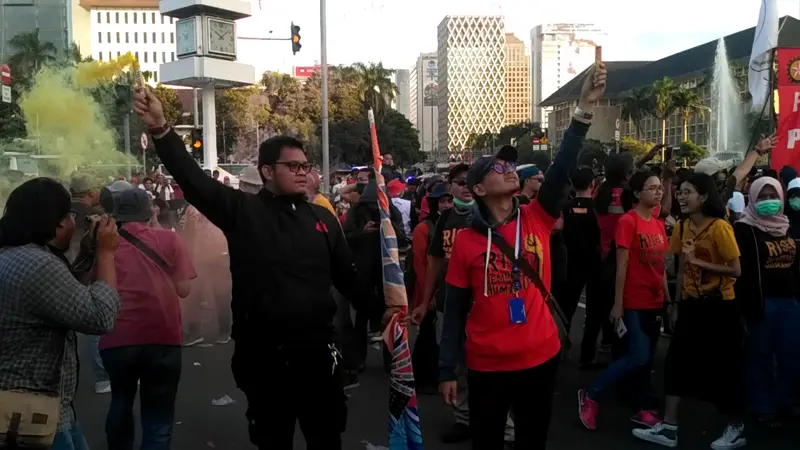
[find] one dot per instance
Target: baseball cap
(133, 205)
(527, 171)
(457, 169)
(481, 166)
(712, 165)
(794, 184)
(438, 190)
(395, 187)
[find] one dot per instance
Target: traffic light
(295, 39)
(196, 144)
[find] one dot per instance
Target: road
(206, 376)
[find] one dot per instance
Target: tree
(637, 148)
(664, 92)
(692, 152)
(397, 136)
(173, 108)
(376, 86)
(635, 107)
(29, 55)
(689, 103)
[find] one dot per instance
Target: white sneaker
(102, 387)
(732, 437)
(661, 434)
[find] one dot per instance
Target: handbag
(560, 319)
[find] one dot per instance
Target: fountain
(728, 135)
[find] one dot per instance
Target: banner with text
(788, 108)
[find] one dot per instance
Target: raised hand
(148, 107)
(594, 85)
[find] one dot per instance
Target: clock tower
(205, 39)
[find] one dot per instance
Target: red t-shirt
(494, 344)
(647, 243)
(150, 310)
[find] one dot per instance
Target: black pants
(599, 301)
(157, 369)
(286, 386)
(529, 395)
(568, 293)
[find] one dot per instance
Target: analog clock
(186, 30)
(221, 37)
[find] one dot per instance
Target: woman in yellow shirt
(706, 355)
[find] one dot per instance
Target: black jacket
(284, 255)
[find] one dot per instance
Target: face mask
(768, 208)
(463, 204)
(794, 203)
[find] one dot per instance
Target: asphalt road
(206, 376)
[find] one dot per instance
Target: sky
(396, 32)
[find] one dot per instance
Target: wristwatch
(583, 114)
(158, 130)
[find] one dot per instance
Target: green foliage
(692, 152)
(636, 106)
(171, 103)
(522, 133)
(637, 148)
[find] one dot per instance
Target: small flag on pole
(766, 39)
(404, 429)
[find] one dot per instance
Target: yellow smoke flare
(90, 74)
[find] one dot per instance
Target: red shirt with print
(647, 243)
(494, 344)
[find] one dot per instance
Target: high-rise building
(559, 52)
(424, 101)
(518, 81)
(472, 79)
(117, 27)
(401, 80)
(50, 17)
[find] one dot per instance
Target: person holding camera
(153, 273)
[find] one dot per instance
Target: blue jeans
(99, 372)
(70, 439)
(776, 338)
(641, 345)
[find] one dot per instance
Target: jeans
(99, 372)
(158, 369)
(776, 338)
(70, 439)
(638, 357)
(529, 395)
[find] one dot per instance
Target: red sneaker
(646, 418)
(587, 410)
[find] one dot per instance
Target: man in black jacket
(284, 255)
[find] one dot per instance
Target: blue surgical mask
(768, 208)
(794, 203)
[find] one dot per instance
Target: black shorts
(706, 355)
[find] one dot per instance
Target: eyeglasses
(460, 182)
(503, 167)
(295, 166)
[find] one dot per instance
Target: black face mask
(360, 188)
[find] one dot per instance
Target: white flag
(766, 39)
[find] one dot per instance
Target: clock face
(187, 37)
(221, 37)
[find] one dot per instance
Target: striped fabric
(404, 428)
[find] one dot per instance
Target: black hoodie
(284, 255)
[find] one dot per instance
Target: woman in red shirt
(640, 289)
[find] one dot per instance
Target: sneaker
(732, 437)
(661, 433)
(587, 410)
(223, 340)
(351, 381)
(102, 387)
(645, 418)
(456, 434)
(188, 342)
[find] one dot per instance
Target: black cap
(438, 191)
(133, 205)
(457, 169)
(481, 166)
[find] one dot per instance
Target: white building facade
(424, 101)
(401, 80)
(472, 80)
(559, 52)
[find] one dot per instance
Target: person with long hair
(43, 305)
(705, 357)
(640, 289)
(768, 293)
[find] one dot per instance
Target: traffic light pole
(326, 163)
(126, 127)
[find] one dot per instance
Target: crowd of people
(499, 257)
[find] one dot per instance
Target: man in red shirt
(153, 272)
(512, 341)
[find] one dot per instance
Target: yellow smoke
(67, 121)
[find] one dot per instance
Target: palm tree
(688, 102)
(30, 53)
(635, 107)
(375, 84)
(664, 92)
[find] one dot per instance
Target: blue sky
(396, 31)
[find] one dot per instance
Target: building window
(136, 55)
(153, 18)
(118, 54)
(163, 38)
(173, 56)
(155, 77)
(154, 37)
(116, 17)
(135, 38)
(135, 20)
(99, 17)
(144, 17)
(163, 56)
(145, 56)
(126, 17)
(108, 37)
(100, 56)
(171, 20)
(155, 60)
(172, 38)
(162, 20)
(117, 37)
(127, 36)
(144, 37)
(99, 37)
(108, 17)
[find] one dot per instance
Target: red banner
(787, 151)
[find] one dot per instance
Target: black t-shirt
(447, 227)
(768, 267)
(581, 234)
